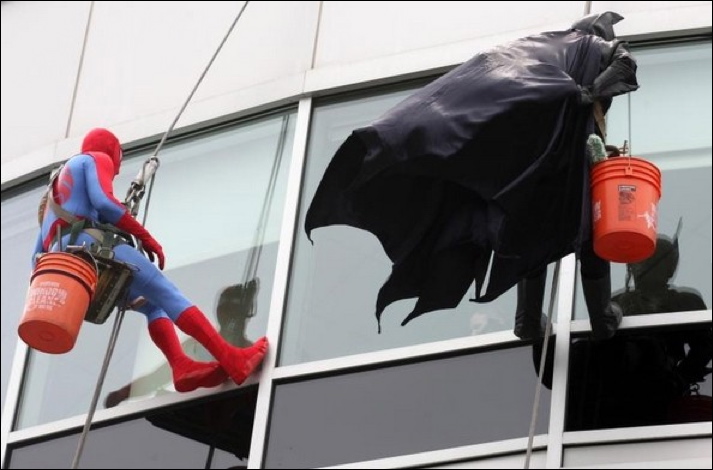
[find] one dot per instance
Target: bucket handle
(81, 252)
(59, 237)
(627, 151)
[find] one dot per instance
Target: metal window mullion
(558, 397)
(635, 434)
(12, 395)
(279, 286)
(650, 320)
(432, 458)
(388, 357)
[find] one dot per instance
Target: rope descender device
(137, 188)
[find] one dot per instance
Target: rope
(79, 70)
(628, 101)
(120, 316)
(100, 382)
(200, 79)
(543, 357)
(185, 104)
(255, 252)
(548, 331)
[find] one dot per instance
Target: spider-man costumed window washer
(84, 188)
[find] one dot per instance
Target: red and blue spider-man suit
(84, 188)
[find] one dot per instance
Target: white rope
(543, 357)
(548, 331)
(100, 383)
(256, 250)
(120, 316)
(185, 104)
(73, 103)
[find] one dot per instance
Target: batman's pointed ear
(599, 24)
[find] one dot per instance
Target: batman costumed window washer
(488, 161)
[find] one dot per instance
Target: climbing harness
(113, 277)
(133, 199)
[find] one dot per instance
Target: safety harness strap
(107, 235)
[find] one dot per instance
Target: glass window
(644, 377)
(670, 119)
(19, 229)
(335, 281)
(405, 409)
(207, 434)
(216, 208)
(648, 377)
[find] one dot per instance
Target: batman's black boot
(530, 322)
(604, 315)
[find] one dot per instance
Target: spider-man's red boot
(188, 374)
(239, 363)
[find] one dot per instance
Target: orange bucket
(61, 288)
(625, 197)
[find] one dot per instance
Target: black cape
(489, 159)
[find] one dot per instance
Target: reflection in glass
(19, 227)
(653, 291)
(236, 305)
(644, 378)
(208, 210)
(640, 378)
(673, 78)
(334, 281)
(435, 404)
(694, 272)
(207, 434)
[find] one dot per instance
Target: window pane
(402, 410)
(335, 281)
(683, 285)
(671, 111)
(136, 444)
(216, 208)
(19, 229)
(190, 436)
(640, 378)
(670, 126)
